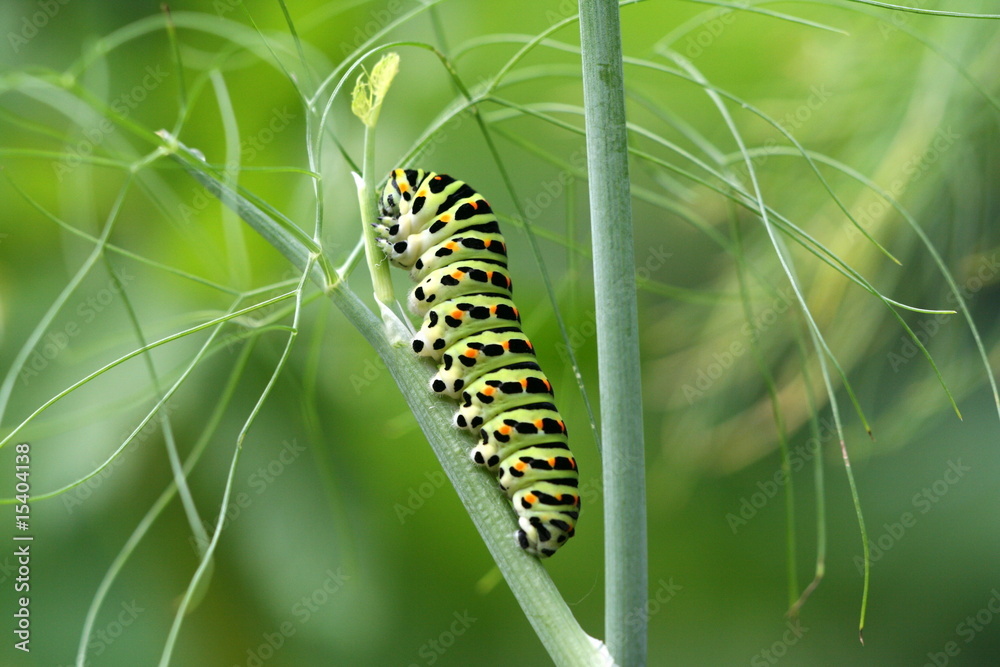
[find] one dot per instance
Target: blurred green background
(345, 545)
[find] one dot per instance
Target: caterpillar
(446, 235)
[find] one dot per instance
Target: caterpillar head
(398, 191)
(388, 201)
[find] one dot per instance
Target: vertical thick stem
(617, 332)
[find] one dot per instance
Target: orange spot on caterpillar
(505, 345)
(531, 499)
(456, 314)
(520, 465)
(489, 391)
(470, 353)
(422, 193)
(451, 246)
(457, 275)
(552, 462)
(445, 218)
(403, 187)
(538, 423)
(524, 383)
(486, 243)
(437, 178)
(504, 430)
(475, 205)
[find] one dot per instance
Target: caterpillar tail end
(535, 539)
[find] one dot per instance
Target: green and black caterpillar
(446, 235)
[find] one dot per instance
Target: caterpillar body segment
(455, 280)
(445, 234)
(515, 429)
(472, 357)
(480, 246)
(452, 320)
(501, 390)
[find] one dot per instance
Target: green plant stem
(548, 613)
(617, 332)
(377, 263)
